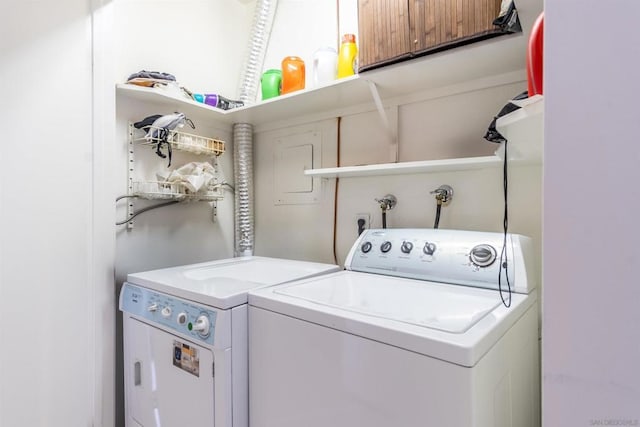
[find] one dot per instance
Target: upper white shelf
(347, 91)
(490, 58)
(435, 73)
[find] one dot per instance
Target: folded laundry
(157, 75)
(195, 176)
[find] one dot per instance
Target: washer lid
(447, 308)
(225, 283)
(454, 323)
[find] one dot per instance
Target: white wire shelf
(158, 190)
(185, 142)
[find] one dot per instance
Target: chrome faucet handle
(444, 194)
(387, 202)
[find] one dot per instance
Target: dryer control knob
(406, 247)
(153, 307)
(366, 247)
(483, 255)
(181, 318)
(385, 247)
(166, 312)
(202, 326)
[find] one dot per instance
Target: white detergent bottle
(325, 65)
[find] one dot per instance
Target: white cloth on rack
(195, 176)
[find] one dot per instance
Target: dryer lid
(224, 283)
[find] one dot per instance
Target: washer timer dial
(483, 255)
(201, 326)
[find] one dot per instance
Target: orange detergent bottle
(293, 75)
(348, 56)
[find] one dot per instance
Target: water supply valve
(386, 203)
(444, 194)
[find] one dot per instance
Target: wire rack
(158, 190)
(184, 142)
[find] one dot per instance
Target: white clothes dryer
(185, 339)
(413, 334)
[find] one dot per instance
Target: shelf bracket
(214, 211)
(392, 131)
(130, 167)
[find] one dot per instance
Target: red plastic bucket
(535, 57)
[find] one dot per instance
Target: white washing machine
(185, 339)
(413, 334)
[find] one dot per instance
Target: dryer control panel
(461, 257)
(186, 317)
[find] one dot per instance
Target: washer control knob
(385, 247)
(201, 326)
(166, 312)
(181, 318)
(153, 307)
(406, 247)
(366, 247)
(429, 248)
(483, 255)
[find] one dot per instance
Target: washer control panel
(185, 317)
(469, 258)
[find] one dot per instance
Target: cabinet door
(383, 32)
(444, 22)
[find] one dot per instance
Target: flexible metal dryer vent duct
(258, 40)
(243, 171)
(243, 132)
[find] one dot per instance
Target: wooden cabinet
(395, 30)
(384, 35)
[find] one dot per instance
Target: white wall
(300, 27)
(200, 42)
(294, 231)
(55, 292)
(435, 129)
(103, 237)
(444, 127)
(591, 211)
(202, 47)
(173, 235)
(347, 18)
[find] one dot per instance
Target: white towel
(195, 176)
